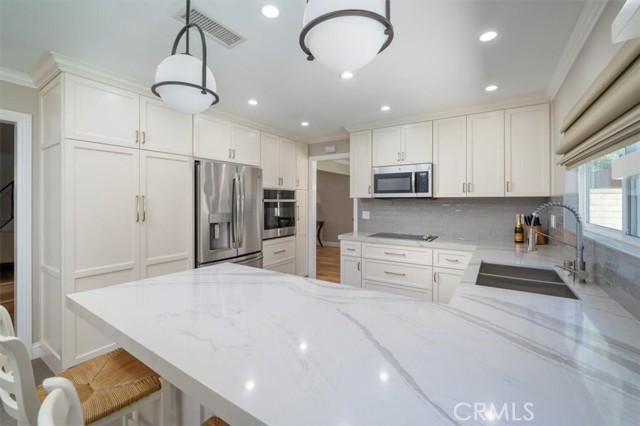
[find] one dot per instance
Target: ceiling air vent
(212, 29)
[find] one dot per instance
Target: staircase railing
(7, 191)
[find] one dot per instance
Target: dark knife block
(540, 239)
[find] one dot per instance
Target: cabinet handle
(358, 266)
(435, 277)
(394, 254)
(234, 153)
(398, 156)
(144, 210)
(137, 209)
(279, 251)
(404, 156)
(452, 260)
(470, 187)
(351, 249)
(297, 183)
(464, 187)
(508, 188)
(144, 137)
(369, 189)
(298, 213)
(229, 155)
(395, 273)
(137, 135)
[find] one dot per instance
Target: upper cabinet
(302, 166)
(98, 112)
(485, 154)
(221, 140)
(449, 157)
(527, 151)
(360, 164)
(278, 162)
(409, 144)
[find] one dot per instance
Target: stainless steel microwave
(409, 181)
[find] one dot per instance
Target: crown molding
(587, 19)
(334, 138)
(506, 103)
(16, 77)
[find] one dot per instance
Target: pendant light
(184, 82)
(345, 35)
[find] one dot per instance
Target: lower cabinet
(402, 291)
(280, 255)
(445, 282)
(302, 255)
(350, 271)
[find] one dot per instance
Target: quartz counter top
(259, 347)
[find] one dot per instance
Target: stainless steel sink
(519, 278)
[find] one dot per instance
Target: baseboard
(331, 243)
(37, 351)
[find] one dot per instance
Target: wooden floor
(7, 288)
(328, 264)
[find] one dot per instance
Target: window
(611, 206)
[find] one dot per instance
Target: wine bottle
(518, 235)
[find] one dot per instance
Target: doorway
(15, 221)
(330, 213)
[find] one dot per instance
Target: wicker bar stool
(109, 387)
(215, 421)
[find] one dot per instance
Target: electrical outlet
(552, 221)
(365, 214)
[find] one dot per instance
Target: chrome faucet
(580, 266)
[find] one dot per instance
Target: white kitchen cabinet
(409, 144)
(527, 152)
(445, 283)
(485, 154)
(302, 166)
(278, 162)
(302, 239)
(360, 164)
(399, 290)
(449, 157)
(397, 273)
(163, 129)
(278, 252)
(350, 271)
(101, 113)
(218, 139)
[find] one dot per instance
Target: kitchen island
(262, 348)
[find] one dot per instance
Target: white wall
(596, 53)
(342, 147)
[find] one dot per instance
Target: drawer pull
(395, 273)
(452, 260)
(351, 249)
(279, 251)
(394, 254)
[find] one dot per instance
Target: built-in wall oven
(279, 213)
(408, 181)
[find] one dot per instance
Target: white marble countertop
(258, 347)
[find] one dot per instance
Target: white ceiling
(434, 63)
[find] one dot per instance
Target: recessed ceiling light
(252, 102)
(304, 123)
(488, 36)
(270, 11)
(385, 108)
(491, 88)
(347, 75)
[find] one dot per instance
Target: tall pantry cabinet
(117, 202)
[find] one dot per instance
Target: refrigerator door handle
(241, 210)
(234, 212)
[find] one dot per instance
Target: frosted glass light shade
(187, 69)
(345, 43)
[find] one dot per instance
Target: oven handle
(413, 182)
(278, 200)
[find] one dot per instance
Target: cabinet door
(288, 164)
(270, 157)
(417, 143)
(211, 138)
(302, 221)
(350, 271)
(360, 164)
(102, 238)
(302, 166)
(449, 157)
(164, 129)
(445, 282)
(527, 151)
(246, 146)
(485, 154)
(98, 112)
(302, 255)
(387, 146)
(166, 213)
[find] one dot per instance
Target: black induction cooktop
(404, 236)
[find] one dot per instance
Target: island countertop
(259, 347)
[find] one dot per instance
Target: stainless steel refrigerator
(228, 213)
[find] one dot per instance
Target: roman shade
(607, 116)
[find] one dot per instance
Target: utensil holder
(540, 239)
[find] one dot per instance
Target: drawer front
(278, 250)
(397, 254)
(285, 268)
(398, 273)
(403, 291)
(451, 259)
(350, 248)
